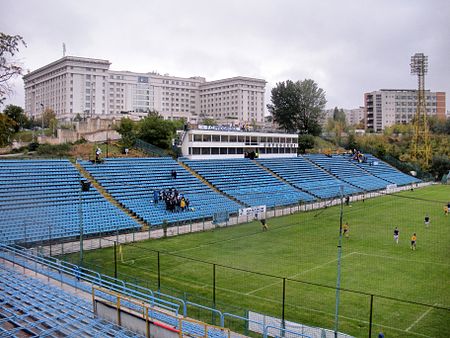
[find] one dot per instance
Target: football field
(243, 268)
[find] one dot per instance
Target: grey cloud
(348, 47)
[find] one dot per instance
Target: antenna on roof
(64, 49)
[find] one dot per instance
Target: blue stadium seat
(248, 182)
(42, 200)
(131, 181)
(386, 172)
(30, 307)
(309, 177)
(345, 170)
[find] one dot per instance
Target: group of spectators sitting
(358, 156)
(174, 200)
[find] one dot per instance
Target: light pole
(107, 141)
(42, 119)
(338, 278)
(84, 186)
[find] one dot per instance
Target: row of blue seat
(29, 306)
(49, 204)
(132, 184)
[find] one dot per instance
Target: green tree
(127, 130)
(440, 165)
(438, 125)
(209, 122)
(9, 67)
(305, 141)
(351, 142)
(7, 130)
(157, 131)
(298, 106)
(17, 114)
(337, 124)
(48, 116)
(339, 115)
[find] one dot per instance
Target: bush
(58, 150)
(33, 146)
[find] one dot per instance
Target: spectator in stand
(97, 155)
(173, 174)
(155, 196)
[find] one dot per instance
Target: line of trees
(152, 129)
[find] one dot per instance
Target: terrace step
(209, 184)
(110, 198)
(282, 179)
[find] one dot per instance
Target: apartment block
(386, 107)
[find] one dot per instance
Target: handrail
(206, 308)
(78, 273)
(226, 314)
(284, 331)
(174, 298)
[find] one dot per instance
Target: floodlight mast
(421, 147)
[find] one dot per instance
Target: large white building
(386, 107)
(77, 85)
(208, 142)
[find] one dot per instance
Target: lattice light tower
(421, 147)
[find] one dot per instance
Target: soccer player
(427, 220)
(396, 233)
(265, 227)
(413, 241)
(446, 210)
(346, 229)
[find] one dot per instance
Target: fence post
(370, 318)
(214, 294)
(115, 260)
(159, 275)
(283, 304)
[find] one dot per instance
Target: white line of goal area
(358, 320)
(420, 317)
(299, 273)
(206, 286)
(400, 259)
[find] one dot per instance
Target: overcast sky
(347, 47)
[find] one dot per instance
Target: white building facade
(85, 86)
(212, 142)
(386, 107)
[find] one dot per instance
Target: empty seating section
(385, 171)
(247, 182)
(309, 177)
(42, 199)
(32, 308)
(341, 167)
(132, 182)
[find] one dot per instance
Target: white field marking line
(299, 273)
(203, 286)
(421, 317)
(318, 311)
(401, 259)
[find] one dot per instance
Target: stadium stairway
(328, 172)
(109, 197)
(209, 184)
(282, 179)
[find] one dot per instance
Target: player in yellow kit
(413, 241)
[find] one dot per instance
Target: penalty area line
(400, 259)
(299, 273)
(420, 317)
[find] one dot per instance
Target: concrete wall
(132, 322)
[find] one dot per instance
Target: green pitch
(303, 248)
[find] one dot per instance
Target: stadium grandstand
(52, 202)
